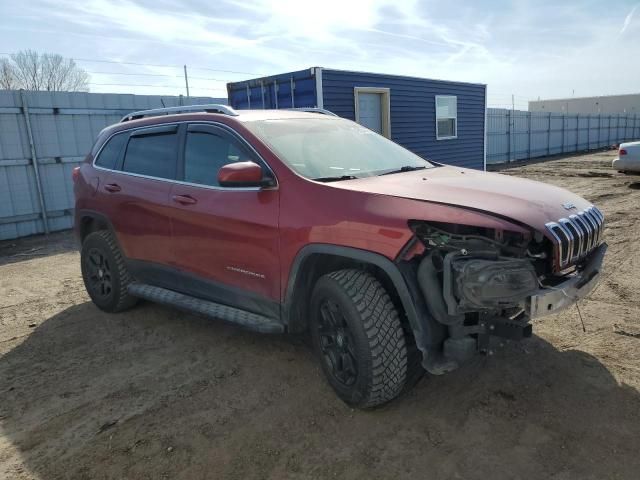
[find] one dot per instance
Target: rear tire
(356, 332)
(104, 273)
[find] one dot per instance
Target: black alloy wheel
(358, 338)
(337, 343)
(104, 272)
(99, 273)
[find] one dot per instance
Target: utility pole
(186, 80)
(513, 127)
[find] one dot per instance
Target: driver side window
(205, 153)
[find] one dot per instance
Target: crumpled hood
(526, 201)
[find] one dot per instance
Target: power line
(155, 75)
(119, 62)
(220, 89)
(228, 71)
(211, 79)
(159, 65)
(133, 74)
(150, 86)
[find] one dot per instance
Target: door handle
(184, 199)
(112, 187)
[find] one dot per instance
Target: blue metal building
(436, 119)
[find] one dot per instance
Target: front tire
(104, 273)
(356, 332)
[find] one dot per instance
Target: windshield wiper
(335, 179)
(406, 168)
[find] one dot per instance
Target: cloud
(627, 19)
(137, 20)
(529, 48)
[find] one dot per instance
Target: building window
(373, 109)
(446, 117)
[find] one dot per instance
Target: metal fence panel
(518, 135)
(64, 126)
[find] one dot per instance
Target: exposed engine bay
(483, 283)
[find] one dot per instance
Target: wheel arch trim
(418, 317)
(84, 214)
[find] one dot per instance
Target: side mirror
(242, 174)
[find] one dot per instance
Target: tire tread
(124, 300)
(384, 333)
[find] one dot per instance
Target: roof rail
(314, 110)
(208, 108)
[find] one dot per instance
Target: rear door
(138, 195)
(225, 240)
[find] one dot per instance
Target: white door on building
(370, 109)
(372, 105)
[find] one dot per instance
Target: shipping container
(439, 120)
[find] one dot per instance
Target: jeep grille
(577, 235)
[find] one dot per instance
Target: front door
(225, 240)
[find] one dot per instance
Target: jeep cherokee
(293, 221)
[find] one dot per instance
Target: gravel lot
(154, 393)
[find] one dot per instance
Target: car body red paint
(250, 240)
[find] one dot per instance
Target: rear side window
(152, 155)
(206, 153)
(111, 151)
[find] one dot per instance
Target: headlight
(473, 284)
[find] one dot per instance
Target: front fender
(427, 332)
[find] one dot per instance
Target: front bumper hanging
(553, 299)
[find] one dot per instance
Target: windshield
(334, 149)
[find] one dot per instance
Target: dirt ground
(154, 393)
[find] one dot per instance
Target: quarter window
(111, 151)
(446, 117)
(204, 155)
(153, 155)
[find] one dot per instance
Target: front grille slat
(600, 216)
(576, 236)
(598, 213)
(587, 232)
(595, 222)
(583, 235)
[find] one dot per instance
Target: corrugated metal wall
(605, 105)
(287, 90)
(413, 115)
(413, 122)
(519, 135)
(64, 126)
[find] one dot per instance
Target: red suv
(294, 221)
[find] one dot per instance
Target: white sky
(529, 48)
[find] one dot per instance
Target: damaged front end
(483, 283)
